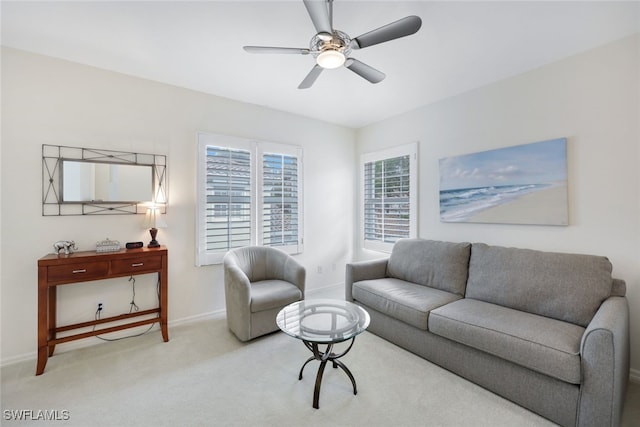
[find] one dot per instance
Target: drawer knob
(137, 264)
(84, 270)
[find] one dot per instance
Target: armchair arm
(237, 299)
(363, 270)
(605, 365)
(295, 273)
(237, 283)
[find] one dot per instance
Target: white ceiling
(198, 45)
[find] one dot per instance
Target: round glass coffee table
(324, 322)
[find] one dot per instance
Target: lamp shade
(153, 218)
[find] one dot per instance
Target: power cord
(133, 307)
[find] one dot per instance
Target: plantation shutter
(387, 199)
(228, 198)
(249, 193)
(280, 192)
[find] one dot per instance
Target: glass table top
(323, 320)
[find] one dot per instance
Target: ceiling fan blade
(269, 49)
(319, 13)
(400, 28)
(311, 77)
(364, 70)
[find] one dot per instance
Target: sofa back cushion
(440, 265)
(568, 287)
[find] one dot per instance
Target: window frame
(410, 150)
(257, 150)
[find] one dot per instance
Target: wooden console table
(55, 270)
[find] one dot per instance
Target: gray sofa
(548, 331)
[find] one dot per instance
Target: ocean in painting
(521, 184)
(462, 203)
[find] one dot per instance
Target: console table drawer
(77, 272)
(136, 265)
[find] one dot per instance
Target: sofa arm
(605, 365)
(363, 270)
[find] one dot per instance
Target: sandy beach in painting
(523, 184)
(546, 206)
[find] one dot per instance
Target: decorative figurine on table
(68, 245)
(107, 246)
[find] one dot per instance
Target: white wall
(50, 101)
(592, 99)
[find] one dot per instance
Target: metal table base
(326, 356)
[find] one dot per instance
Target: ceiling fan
(331, 48)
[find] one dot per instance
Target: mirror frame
(53, 204)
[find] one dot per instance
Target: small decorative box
(108, 246)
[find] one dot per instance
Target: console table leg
(42, 359)
(53, 311)
(43, 320)
(163, 276)
(165, 331)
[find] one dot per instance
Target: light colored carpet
(204, 377)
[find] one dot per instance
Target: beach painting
(523, 184)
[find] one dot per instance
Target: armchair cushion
(268, 294)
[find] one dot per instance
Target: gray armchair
(258, 282)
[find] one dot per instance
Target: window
(249, 193)
(389, 196)
(279, 199)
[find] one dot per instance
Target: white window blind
(249, 193)
(280, 199)
(228, 204)
(389, 196)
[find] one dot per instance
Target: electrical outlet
(100, 306)
(319, 269)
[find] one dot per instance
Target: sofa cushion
(568, 287)
(401, 300)
(545, 345)
(440, 265)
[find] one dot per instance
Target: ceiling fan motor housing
(339, 41)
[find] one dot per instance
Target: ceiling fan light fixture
(330, 59)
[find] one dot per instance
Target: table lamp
(154, 220)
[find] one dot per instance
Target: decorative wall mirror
(87, 181)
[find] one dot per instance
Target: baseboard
(217, 314)
(20, 358)
(328, 288)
